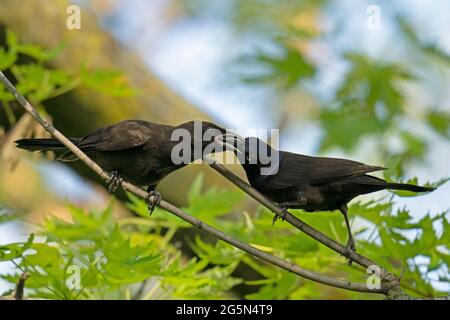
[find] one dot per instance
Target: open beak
(231, 141)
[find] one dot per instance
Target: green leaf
(394, 169)
(38, 82)
(91, 225)
(440, 122)
(109, 82)
(9, 57)
(414, 144)
(279, 289)
(346, 126)
(15, 250)
(6, 216)
(212, 203)
(39, 53)
(284, 70)
(371, 211)
(429, 49)
(217, 253)
(367, 102)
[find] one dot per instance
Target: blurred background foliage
(383, 101)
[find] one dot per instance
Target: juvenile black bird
(310, 183)
(137, 151)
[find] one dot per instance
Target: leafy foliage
(285, 69)
(92, 256)
(369, 103)
(113, 257)
(427, 48)
(116, 259)
(371, 100)
(39, 82)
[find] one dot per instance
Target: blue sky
(190, 56)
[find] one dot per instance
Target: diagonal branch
(296, 222)
(384, 288)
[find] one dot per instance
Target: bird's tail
(47, 145)
(408, 187)
(42, 144)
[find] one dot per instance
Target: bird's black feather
(140, 151)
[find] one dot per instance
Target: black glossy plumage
(312, 183)
(325, 183)
(139, 151)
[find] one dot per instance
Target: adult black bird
(138, 151)
(309, 183)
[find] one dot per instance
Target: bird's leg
(114, 181)
(155, 197)
(301, 201)
(351, 242)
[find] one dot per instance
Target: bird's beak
(231, 141)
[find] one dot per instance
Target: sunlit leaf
(109, 82)
(38, 52)
(440, 122)
(15, 250)
(9, 56)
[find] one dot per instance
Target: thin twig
(385, 287)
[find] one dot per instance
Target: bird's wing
(121, 136)
(296, 169)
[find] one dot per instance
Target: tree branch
(299, 224)
(385, 287)
(18, 293)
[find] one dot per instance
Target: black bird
(137, 151)
(309, 183)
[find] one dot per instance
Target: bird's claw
(283, 216)
(285, 212)
(275, 218)
(114, 182)
(350, 247)
(153, 199)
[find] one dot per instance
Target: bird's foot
(275, 218)
(283, 216)
(114, 182)
(349, 248)
(285, 212)
(153, 199)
